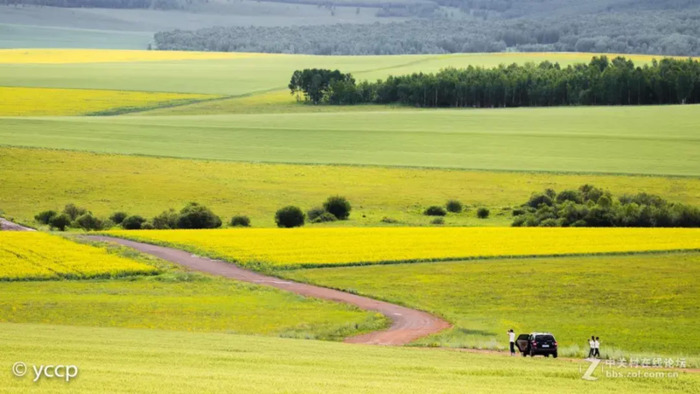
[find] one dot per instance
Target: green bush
(60, 222)
(45, 216)
(118, 217)
(454, 206)
(569, 195)
(194, 215)
(166, 220)
(435, 211)
(133, 222)
(289, 216)
(74, 211)
(324, 217)
(538, 199)
(482, 213)
(147, 226)
(240, 221)
(338, 206)
(437, 221)
(313, 213)
(88, 222)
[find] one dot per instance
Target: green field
(621, 140)
(641, 304)
(50, 179)
(115, 359)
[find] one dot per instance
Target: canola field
(18, 101)
(35, 255)
(317, 247)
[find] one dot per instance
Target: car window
(544, 338)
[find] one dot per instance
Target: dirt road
(407, 324)
(7, 225)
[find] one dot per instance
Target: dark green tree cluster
(71, 216)
(589, 206)
(317, 84)
(600, 82)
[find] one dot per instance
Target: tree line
(665, 32)
(600, 82)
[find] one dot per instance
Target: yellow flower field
(65, 56)
(308, 247)
(36, 255)
(65, 102)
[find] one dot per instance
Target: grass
(42, 102)
(35, 255)
(235, 74)
(314, 247)
(49, 179)
(621, 140)
(111, 359)
(639, 304)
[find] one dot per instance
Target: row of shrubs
(453, 206)
(589, 206)
(192, 216)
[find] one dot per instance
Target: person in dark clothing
(597, 347)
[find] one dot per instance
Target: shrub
(324, 217)
(454, 206)
(435, 211)
(289, 216)
(133, 222)
(60, 221)
(166, 220)
(313, 213)
(74, 211)
(538, 199)
(549, 223)
(338, 206)
(194, 215)
(147, 226)
(118, 217)
(45, 216)
(518, 212)
(240, 221)
(89, 222)
(437, 221)
(482, 213)
(569, 195)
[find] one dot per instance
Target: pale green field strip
(660, 140)
(252, 74)
(113, 360)
(50, 179)
(645, 305)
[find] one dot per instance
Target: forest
(666, 32)
(600, 82)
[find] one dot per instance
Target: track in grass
(407, 324)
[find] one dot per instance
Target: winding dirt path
(407, 324)
(7, 225)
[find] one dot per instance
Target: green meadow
(104, 183)
(643, 305)
(117, 359)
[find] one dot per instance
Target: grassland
(111, 359)
(34, 255)
(606, 140)
(49, 179)
(296, 248)
(640, 304)
(40, 101)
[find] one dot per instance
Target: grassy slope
(47, 179)
(145, 360)
(640, 304)
(247, 75)
(641, 140)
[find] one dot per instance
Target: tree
(60, 222)
(118, 217)
(133, 222)
(482, 213)
(338, 206)
(454, 206)
(289, 216)
(73, 211)
(89, 222)
(240, 221)
(166, 220)
(45, 216)
(194, 216)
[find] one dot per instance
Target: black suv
(537, 343)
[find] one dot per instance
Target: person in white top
(511, 338)
(596, 344)
(591, 346)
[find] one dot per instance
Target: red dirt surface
(407, 324)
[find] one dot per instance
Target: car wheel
(532, 353)
(547, 355)
(524, 354)
(554, 354)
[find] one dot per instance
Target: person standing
(596, 343)
(511, 339)
(591, 347)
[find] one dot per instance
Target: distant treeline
(600, 82)
(117, 4)
(665, 32)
